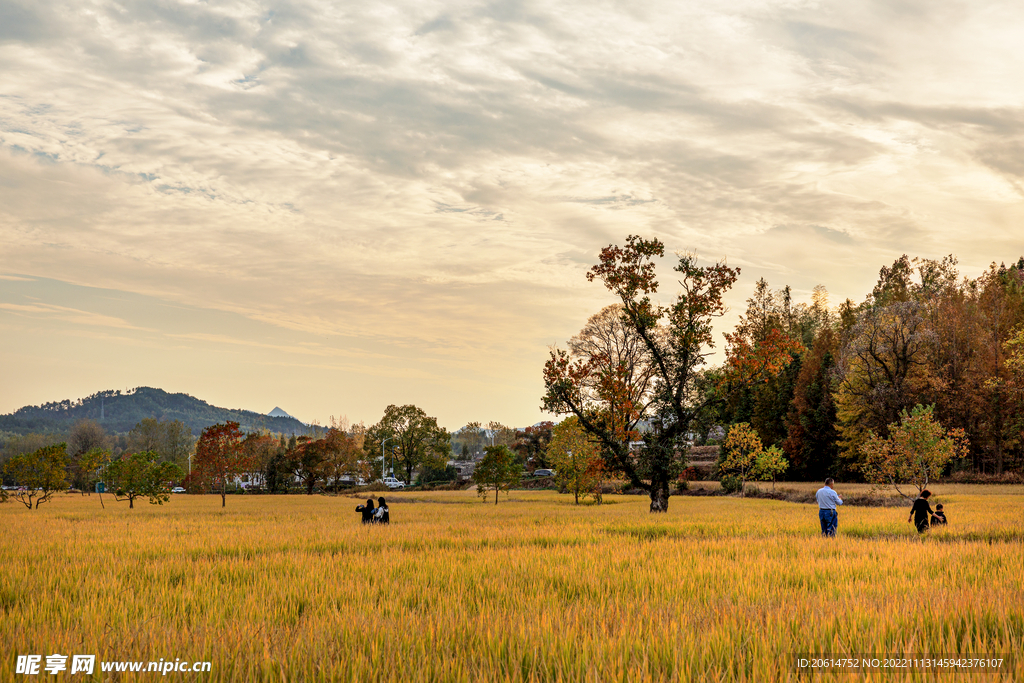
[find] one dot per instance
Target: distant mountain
(277, 412)
(120, 411)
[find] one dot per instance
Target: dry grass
(295, 589)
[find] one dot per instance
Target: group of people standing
(922, 513)
(375, 515)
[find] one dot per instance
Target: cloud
(439, 177)
(66, 314)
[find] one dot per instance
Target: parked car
(393, 483)
(543, 473)
(178, 489)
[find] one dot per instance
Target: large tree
(411, 436)
(811, 441)
(532, 444)
(678, 339)
(884, 370)
(221, 457)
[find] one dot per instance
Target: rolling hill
(120, 411)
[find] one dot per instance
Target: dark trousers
(829, 522)
(922, 525)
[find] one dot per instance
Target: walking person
(383, 514)
(921, 512)
(367, 510)
(939, 517)
(828, 499)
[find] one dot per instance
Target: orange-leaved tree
(220, 457)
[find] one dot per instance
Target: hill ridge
(120, 411)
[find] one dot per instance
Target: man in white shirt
(828, 499)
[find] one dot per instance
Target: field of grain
(533, 589)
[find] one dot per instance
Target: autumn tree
(998, 296)
(220, 457)
(345, 454)
(42, 472)
(497, 471)
(414, 437)
(678, 339)
(259, 448)
(532, 444)
(771, 317)
(309, 462)
(770, 463)
(575, 457)
(915, 452)
(811, 437)
(740, 452)
(618, 354)
(883, 370)
(141, 475)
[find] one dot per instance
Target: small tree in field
(497, 471)
(575, 457)
(770, 464)
(917, 450)
(43, 472)
(742, 449)
(220, 456)
(140, 475)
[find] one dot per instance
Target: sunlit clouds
(349, 205)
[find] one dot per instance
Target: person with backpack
(383, 514)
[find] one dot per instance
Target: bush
(731, 483)
(433, 476)
(690, 474)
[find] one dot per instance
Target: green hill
(120, 411)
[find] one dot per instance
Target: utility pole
(390, 438)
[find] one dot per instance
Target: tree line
(924, 338)
(820, 388)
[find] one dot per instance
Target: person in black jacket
(921, 512)
(367, 511)
(939, 517)
(383, 515)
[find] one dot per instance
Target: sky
(335, 206)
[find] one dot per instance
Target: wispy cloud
(70, 315)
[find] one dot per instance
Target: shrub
(731, 483)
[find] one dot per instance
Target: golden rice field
(534, 589)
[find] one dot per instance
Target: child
(939, 517)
